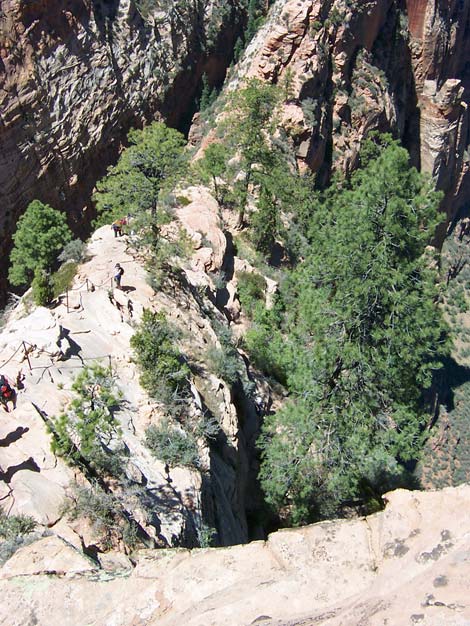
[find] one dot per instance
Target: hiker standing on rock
(7, 393)
(118, 272)
(117, 228)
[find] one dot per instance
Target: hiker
(20, 377)
(7, 393)
(118, 272)
(117, 228)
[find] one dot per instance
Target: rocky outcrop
(349, 68)
(75, 76)
(406, 565)
(92, 323)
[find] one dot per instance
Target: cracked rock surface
(409, 564)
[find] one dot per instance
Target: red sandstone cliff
(378, 64)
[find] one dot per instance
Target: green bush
(172, 445)
(42, 287)
(224, 361)
(251, 290)
(15, 532)
(82, 433)
(104, 510)
(206, 536)
(163, 371)
(73, 251)
(223, 364)
(62, 279)
(13, 525)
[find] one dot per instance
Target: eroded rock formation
(76, 75)
(406, 565)
(349, 68)
(94, 323)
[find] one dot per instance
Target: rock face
(406, 565)
(94, 323)
(349, 68)
(76, 75)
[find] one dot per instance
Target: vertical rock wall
(384, 65)
(75, 75)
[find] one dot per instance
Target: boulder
(50, 555)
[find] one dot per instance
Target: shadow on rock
(13, 436)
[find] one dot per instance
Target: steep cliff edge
(406, 565)
(93, 323)
(76, 75)
(350, 68)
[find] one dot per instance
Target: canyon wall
(75, 75)
(350, 68)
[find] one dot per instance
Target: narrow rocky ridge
(92, 323)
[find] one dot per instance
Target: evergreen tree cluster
(355, 335)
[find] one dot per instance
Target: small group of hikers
(117, 226)
(7, 393)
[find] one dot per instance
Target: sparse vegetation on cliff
(164, 373)
(86, 431)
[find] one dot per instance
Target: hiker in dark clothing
(118, 272)
(7, 393)
(117, 228)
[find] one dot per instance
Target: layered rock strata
(76, 75)
(349, 68)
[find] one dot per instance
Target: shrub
(163, 371)
(73, 251)
(15, 531)
(89, 424)
(207, 427)
(172, 445)
(206, 535)
(13, 525)
(223, 363)
(42, 287)
(251, 289)
(62, 279)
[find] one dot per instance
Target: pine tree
(151, 164)
(40, 237)
(363, 335)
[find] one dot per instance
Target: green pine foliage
(358, 339)
(85, 431)
(153, 162)
(139, 185)
(213, 166)
(164, 374)
(251, 290)
(41, 235)
(42, 287)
